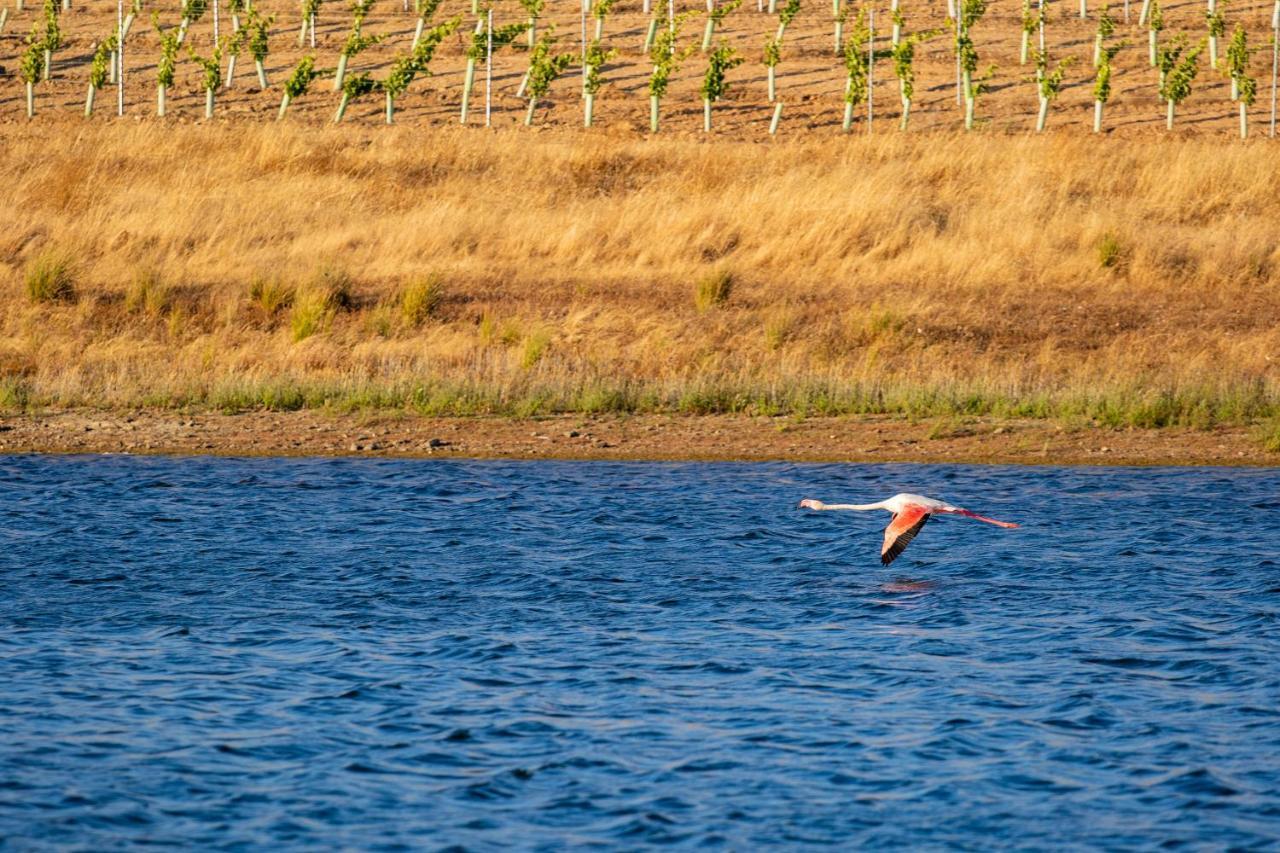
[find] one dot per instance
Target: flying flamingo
(910, 512)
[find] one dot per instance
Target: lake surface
(375, 654)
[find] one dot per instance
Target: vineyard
(745, 70)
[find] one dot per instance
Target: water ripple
(230, 654)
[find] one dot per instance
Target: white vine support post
(1213, 40)
(897, 28)
(583, 58)
(215, 24)
(488, 68)
(959, 85)
(1275, 62)
(871, 56)
(1040, 10)
(838, 26)
(119, 59)
(671, 23)
(115, 66)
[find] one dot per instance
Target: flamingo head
(809, 503)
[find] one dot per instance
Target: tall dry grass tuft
(270, 295)
(50, 277)
(149, 293)
(318, 300)
(1111, 254)
(311, 313)
(713, 289)
(1269, 435)
(937, 275)
(333, 287)
(535, 346)
(421, 299)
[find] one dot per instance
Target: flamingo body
(910, 514)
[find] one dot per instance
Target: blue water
(413, 654)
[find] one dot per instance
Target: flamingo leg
(974, 515)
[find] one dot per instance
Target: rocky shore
(648, 437)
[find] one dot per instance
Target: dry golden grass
(918, 275)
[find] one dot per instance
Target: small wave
(104, 579)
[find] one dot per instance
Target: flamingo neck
(857, 507)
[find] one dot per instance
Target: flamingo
(910, 512)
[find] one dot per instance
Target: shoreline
(625, 438)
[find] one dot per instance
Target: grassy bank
(233, 267)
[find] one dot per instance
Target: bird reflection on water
(908, 585)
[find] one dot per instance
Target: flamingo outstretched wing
(901, 530)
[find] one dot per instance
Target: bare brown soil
(810, 77)
(646, 437)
